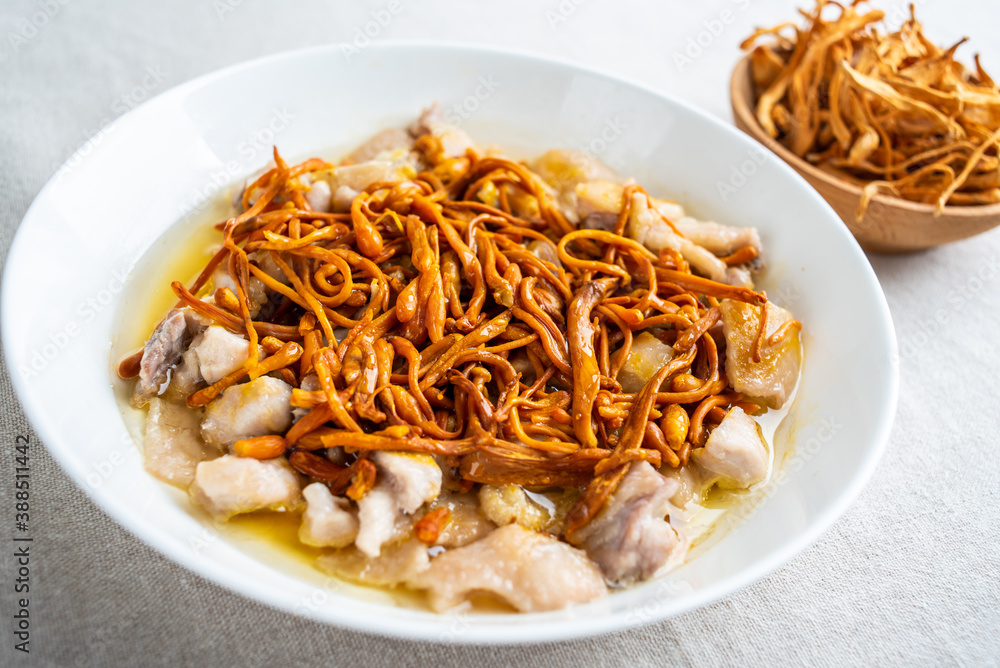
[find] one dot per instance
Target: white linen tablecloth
(908, 576)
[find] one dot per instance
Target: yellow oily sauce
(179, 255)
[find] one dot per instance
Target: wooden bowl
(890, 224)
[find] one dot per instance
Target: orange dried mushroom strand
(607, 480)
(354, 480)
(428, 528)
(261, 447)
(287, 355)
(362, 479)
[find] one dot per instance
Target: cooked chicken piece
(414, 478)
(630, 539)
(530, 571)
(715, 237)
(262, 406)
(377, 517)
(384, 142)
(329, 521)
(196, 322)
(454, 140)
(773, 378)
(346, 182)
(265, 261)
(173, 446)
(522, 204)
(360, 176)
(672, 210)
(689, 484)
(599, 197)
(405, 482)
(564, 170)
(220, 352)
(320, 197)
(257, 295)
(600, 221)
(538, 511)
(647, 356)
(343, 197)
(489, 194)
(603, 199)
(647, 227)
(466, 523)
(545, 251)
(162, 352)
(231, 485)
(397, 564)
(509, 504)
(185, 377)
(740, 277)
(734, 455)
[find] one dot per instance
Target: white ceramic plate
(82, 240)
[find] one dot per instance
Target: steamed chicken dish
(468, 376)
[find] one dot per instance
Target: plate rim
(425, 629)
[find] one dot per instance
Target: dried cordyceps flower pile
(892, 112)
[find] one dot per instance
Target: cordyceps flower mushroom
(891, 112)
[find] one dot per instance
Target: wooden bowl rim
(742, 108)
